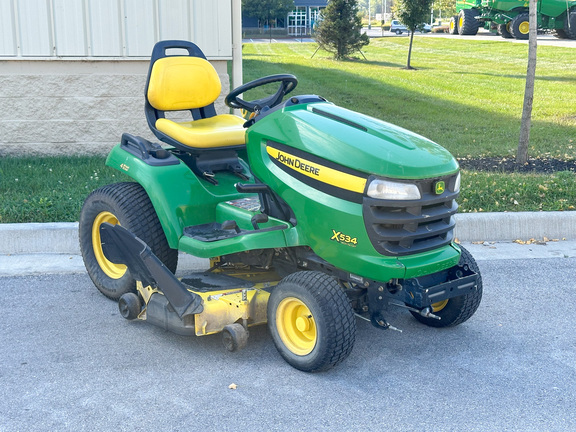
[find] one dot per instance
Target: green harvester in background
(510, 17)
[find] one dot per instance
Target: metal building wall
(112, 28)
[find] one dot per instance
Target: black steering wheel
(287, 84)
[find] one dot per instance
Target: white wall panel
(105, 22)
(7, 29)
(112, 28)
(224, 29)
(69, 28)
(35, 34)
(141, 27)
(212, 27)
(174, 19)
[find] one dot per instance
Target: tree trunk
(410, 50)
(524, 141)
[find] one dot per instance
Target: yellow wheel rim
(296, 326)
(524, 27)
(437, 307)
(452, 24)
(112, 270)
(460, 21)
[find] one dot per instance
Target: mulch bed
(539, 166)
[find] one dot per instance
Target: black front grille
(400, 228)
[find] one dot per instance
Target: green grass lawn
(466, 95)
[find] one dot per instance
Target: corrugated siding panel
(35, 36)
(174, 19)
(7, 30)
(105, 22)
(69, 28)
(140, 27)
(213, 27)
(112, 28)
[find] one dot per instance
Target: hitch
(426, 312)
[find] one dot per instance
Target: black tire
(398, 32)
(468, 25)
(453, 26)
(129, 205)
(130, 306)
(234, 337)
(458, 309)
(519, 27)
(311, 321)
(504, 31)
(560, 34)
(570, 25)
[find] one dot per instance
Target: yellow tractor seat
(188, 83)
(218, 131)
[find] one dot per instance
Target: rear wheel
(560, 34)
(126, 204)
(520, 26)
(456, 310)
(570, 26)
(467, 23)
(311, 321)
(504, 30)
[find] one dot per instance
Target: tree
(339, 31)
(267, 10)
(412, 13)
(522, 154)
(446, 8)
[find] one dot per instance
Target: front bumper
(421, 292)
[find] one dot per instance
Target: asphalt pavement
(71, 363)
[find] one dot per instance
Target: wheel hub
(296, 326)
(112, 270)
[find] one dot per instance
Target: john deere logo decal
(439, 187)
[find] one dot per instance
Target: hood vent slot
(339, 119)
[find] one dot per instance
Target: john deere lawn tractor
(312, 216)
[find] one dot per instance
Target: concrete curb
(62, 238)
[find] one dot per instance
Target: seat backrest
(180, 78)
(181, 83)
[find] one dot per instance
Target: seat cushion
(219, 131)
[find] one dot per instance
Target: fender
(174, 191)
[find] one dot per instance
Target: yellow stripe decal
(319, 172)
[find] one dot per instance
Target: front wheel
(453, 26)
(126, 204)
(456, 310)
(311, 321)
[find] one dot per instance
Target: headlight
(389, 190)
(457, 183)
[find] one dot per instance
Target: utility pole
(369, 17)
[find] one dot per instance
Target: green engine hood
(355, 141)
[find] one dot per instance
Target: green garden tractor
(311, 215)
